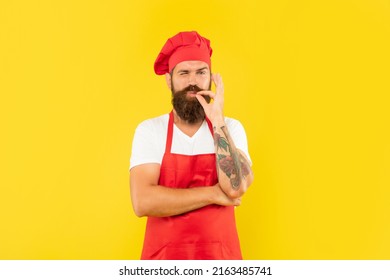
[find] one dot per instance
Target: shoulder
(155, 122)
(231, 121)
(154, 125)
(148, 142)
(233, 124)
(150, 130)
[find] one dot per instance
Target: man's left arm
(234, 171)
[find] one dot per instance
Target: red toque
(181, 47)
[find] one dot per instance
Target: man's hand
(221, 198)
(213, 110)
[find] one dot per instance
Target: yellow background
(309, 80)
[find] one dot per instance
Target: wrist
(218, 121)
(213, 195)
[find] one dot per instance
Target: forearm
(160, 201)
(234, 171)
(151, 199)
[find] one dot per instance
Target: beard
(188, 108)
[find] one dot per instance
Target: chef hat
(181, 47)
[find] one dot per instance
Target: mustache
(192, 88)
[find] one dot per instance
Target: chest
(201, 142)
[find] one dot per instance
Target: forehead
(191, 65)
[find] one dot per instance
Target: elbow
(138, 207)
(138, 210)
(239, 191)
(236, 193)
(138, 201)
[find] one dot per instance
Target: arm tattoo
(229, 160)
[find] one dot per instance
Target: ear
(168, 79)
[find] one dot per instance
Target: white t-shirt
(150, 139)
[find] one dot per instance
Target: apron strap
(210, 126)
(168, 145)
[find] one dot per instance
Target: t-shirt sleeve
(144, 147)
(237, 132)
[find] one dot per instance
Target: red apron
(204, 234)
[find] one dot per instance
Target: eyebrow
(197, 70)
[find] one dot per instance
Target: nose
(192, 79)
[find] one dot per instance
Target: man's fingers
(201, 100)
(217, 79)
(207, 92)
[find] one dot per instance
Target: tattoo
(229, 160)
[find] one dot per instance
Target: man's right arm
(151, 199)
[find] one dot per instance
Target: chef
(190, 167)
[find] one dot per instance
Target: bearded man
(190, 168)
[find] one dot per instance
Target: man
(189, 168)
